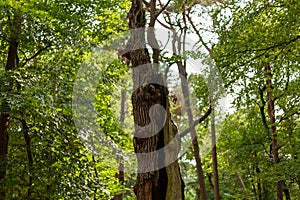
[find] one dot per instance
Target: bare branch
(195, 123)
(35, 55)
(162, 9)
(240, 180)
(198, 33)
(164, 25)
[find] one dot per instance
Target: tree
(152, 182)
(261, 62)
(43, 44)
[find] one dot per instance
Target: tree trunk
(196, 151)
(12, 58)
(241, 182)
(153, 182)
(29, 156)
(271, 114)
(186, 96)
(259, 188)
(286, 192)
(214, 156)
(120, 175)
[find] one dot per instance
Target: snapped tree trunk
(158, 183)
(12, 59)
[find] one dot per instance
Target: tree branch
(198, 33)
(273, 46)
(147, 4)
(164, 25)
(162, 9)
(35, 55)
(240, 180)
(196, 122)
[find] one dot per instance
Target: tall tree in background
(178, 19)
(257, 53)
(11, 64)
(42, 45)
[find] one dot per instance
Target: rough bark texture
(156, 184)
(12, 58)
(271, 114)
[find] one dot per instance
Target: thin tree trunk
(259, 188)
(254, 190)
(186, 95)
(196, 150)
(96, 175)
(240, 180)
(214, 156)
(209, 177)
(12, 59)
(286, 192)
(121, 179)
(29, 156)
(120, 175)
(271, 114)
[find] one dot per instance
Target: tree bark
(157, 184)
(259, 188)
(12, 59)
(271, 114)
